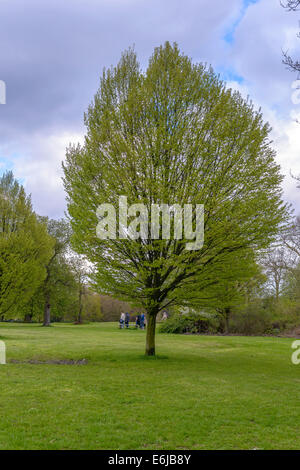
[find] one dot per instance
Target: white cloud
(39, 168)
(285, 136)
(52, 77)
(256, 54)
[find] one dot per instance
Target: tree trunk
(28, 318)
(79, 318)
(150, 336)
(277, 289)
(227, 318)
(47, 312)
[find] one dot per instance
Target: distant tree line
(41, 278)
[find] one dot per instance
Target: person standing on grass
(142, 322)
(127, 319)
(137, 321)
(122, 320)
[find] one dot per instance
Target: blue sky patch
(229, 35)
(229, 75)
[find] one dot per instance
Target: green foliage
(92, 306)
(59, 282)
(260, 316)
(80, 271)
(171, 134)
(192, 323)
(265, 316)
(60, 291)
(25, 247)
(236, 283)
(292, 284)
(56, 294)
(253, 319)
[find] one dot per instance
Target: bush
(261, 317)
(252, 320)
(265, 316)
(192, 323)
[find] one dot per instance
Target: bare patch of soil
(64, 362)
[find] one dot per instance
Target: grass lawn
(201, 392)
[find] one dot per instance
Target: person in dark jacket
(127, 319)
(142, 322)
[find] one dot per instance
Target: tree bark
(150, 335)
(28, 318)
(79, 320)
(79, 317)
(227, 318)
(47, 317)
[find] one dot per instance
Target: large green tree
(25, 247)
(61, 297)
(173, 134)
(59, 277)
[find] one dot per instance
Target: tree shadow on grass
(158, 357)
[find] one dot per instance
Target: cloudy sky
(52, 54)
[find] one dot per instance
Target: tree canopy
(58, 279)
(172, 134)
(25, 246)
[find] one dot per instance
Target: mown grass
(201, 392)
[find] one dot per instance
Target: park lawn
(201, 392)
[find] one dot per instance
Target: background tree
(65, 290)
(276, 262)
(293, 65)
(58, 272)
(230, 286)
(80, 270)
(62, 290)
(25, 247)
(91, 308)
(291, 5)
(111, 308)
(290, 237)
(173, 134)
(292, 284)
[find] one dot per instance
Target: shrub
(192, 323)
(252, 320)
